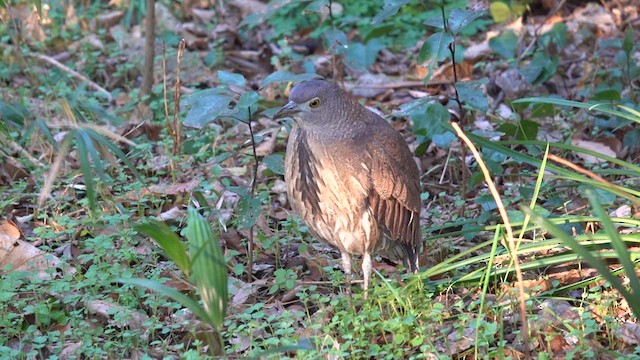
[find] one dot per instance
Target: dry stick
(177, 135)
(584, 171)
(76, 74)
(149, 48)
(253, 194)
(15, 147)
(55, 169)
(164, 89)
(509, 230)
(463, 156)
(579, 169)
(403, 84)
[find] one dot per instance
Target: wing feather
(395, 190)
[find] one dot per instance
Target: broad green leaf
(627, 42)
(85, 167)
(206, 110)
(522, 130)
(389, 8)
(275, 163)
(248, 99)
(378, 31)
(436, 48)
(472, 94)
(109, 145)
(361, 57)
(460, 18)
(230, 78)
(316, 6)
(505, 44)
(285, 76)
(247, 211)
(607, 95)
(172, 293)
(170, 243)
(630, 114)
(335, 41)
(540, 69)
(500, 12)
(435, 22)
(208, 266)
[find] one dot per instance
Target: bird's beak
(290, 109)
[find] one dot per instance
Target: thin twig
(508, 229)
(177, 135)
(74, 73)
(252, 194)
(584, 171)
(164, 89)
(149, 49)
(15, 147)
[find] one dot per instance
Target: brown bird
(351, 177)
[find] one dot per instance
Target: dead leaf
(628, 333)
(595, 147)
(22, 256)
(171, 214)
(107, 309)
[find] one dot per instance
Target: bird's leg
(366, 271)
(346, 267)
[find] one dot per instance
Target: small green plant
(202, 261)
(285, 279)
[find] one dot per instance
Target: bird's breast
(327, 185)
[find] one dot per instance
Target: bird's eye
(314, 103)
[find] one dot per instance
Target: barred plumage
(351, 177)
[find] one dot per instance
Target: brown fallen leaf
(20, 255)
(593, 146)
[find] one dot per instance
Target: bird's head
(311, 102)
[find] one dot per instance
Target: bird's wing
(395, 187)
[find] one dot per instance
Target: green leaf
(285, 76)
(230, 78)
(596, 259)
(316, 6)
(540, 69)
(431, 122)
(505, 44)
(85, 167)
(208, 266)
(169, 242)
(247, 211)
(275, 163)
(523, 130)
(500, 12)
(13, 113)
(103, 141)
(472, 94)
(335, 41)
(378, 31)
(207, 109)
(627, 42)
(435, 22)
(607, 95)
(205, 95)
(436, 48)
(460, 18)
(248, 99)
(605, 108)
(389, 8)
(91, 150)
(557, 35)
(360, 57)
(632, 139)
(172, 293)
